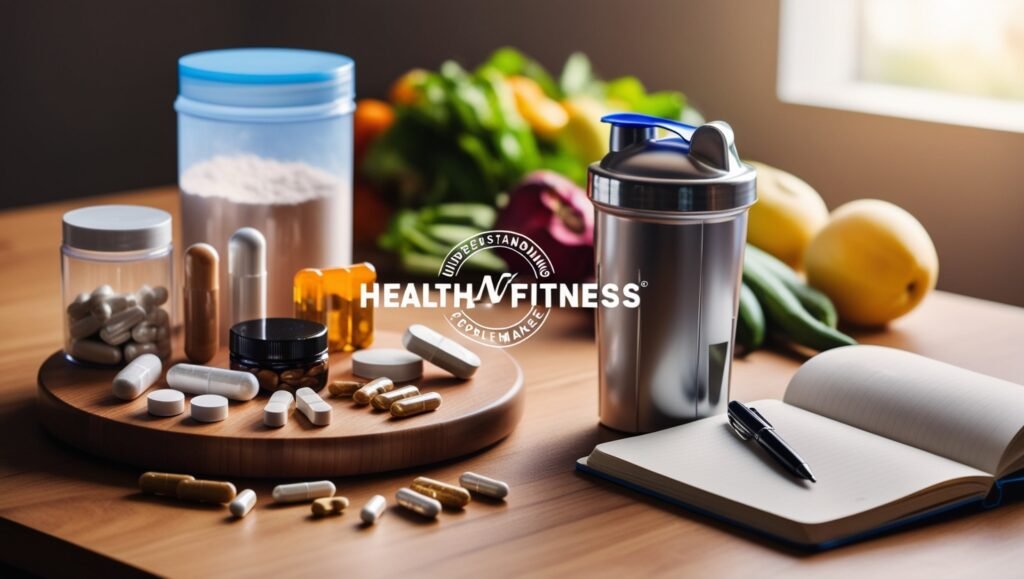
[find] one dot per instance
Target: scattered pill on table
(398, 365)
(162, 483)
(206, 491)
(344, 388)
(325, 506)
(417, 503)
(364, 395)
(193, 379)
(416, 405)
(209, 408)
(313, 407)
(137, 377)
(440, 351)
(384, 400)
(483, 485)
(450, 496)
(275, 413)
(305, 491)
(243, 503)
(373, 509)
(165, 402)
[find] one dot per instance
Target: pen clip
(761, 416)
(740, 430)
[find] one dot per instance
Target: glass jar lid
(117, 228)
(278, 339)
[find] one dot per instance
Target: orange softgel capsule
(333, 297)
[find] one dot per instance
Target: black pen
(749, 424)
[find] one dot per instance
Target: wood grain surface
(65, 512)
(77, 406)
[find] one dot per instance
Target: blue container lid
(265, 84)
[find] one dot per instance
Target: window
(951, 61)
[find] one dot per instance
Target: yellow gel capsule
(206, 491)
(344, 388)
(361, 334)
(384, 400)
(372, 388)
(162, 483)
(329, 506)
(308, 296)
(416, 405)
(450, 496)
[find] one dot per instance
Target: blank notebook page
(856, 470)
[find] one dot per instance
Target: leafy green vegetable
(629, 91)
(509, 61)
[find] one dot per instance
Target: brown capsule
(316, 370)
(292, 376)
(372, 388)
(343, 388)
(451, 496)
(307, 382)
(202, 305)
(416, 405)
(162, 483)
(206, 491)
(267, 379)
(384, 400)
(329, 506)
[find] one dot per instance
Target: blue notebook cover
(995, 498)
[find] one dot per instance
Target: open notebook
(891, 436)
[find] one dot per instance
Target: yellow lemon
(787, 215)
(875, 261)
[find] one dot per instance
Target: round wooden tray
(76, 405)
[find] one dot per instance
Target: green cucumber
(816, 303)
(785, 312)
(750, 323)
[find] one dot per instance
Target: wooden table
(64, 512)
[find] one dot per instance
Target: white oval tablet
(313, 407)
(209, 408)
(440, 351)
(275, 413)
(399, 365)
(165, 402)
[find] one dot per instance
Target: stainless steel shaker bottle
(671, 216)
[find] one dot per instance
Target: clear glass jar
(265, 141)
(117, 278)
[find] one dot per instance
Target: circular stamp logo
(473, 322)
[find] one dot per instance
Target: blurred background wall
(87, 91)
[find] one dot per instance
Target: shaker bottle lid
(117, 228)
(696, 170)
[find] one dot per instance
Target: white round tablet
(440, 351)
(399, 365)
(209, 408)
(165, 402)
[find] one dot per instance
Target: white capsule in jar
(147, 332)
(85, 327)
(232, 384)
(79, 307)
(124, 320)
(95, 351)
(133, 350)
(137, 377)
(115, 339)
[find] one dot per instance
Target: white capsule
(299, 492)
(313, 407)
(159, 295)
(124, 320)
(417, 503)
(147, 332)
(133, 350)
(443, 352)
(100, 295)
(84, 327)
(159, 317)
(209, 408)
(193, 379)
(373, 509)
(243, 503)
(483, 485)
(165, 402)
(102, 311)
(247, 275)
(115, 339)
(275, 413)
(145, 298)
(79, 308)
(95, 351)
(137, 377)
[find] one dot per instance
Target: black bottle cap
(278, 339)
